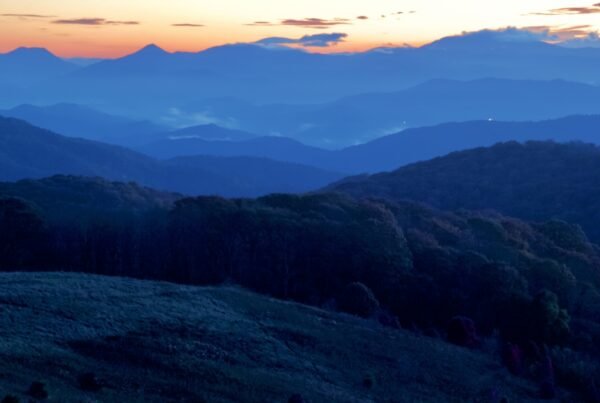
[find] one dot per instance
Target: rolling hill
(243, 176)
(421, 144)
(64, 198)
(535, 181)
(156, 342)
(207, 132)
(80, 121)
(30, 152)
(389, 152)
(277, 148)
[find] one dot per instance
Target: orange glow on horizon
(114, 28)
(124, 47)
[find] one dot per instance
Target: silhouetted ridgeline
(533, 282)
(151, 81)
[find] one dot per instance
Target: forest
(533, 286)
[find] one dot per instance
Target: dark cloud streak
(314, 23)
(317, 23)
(93, 22)
(17, 15)
(188, 25)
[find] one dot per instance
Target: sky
(113, 28)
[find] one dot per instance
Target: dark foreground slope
(160, 342)
(520, 283)
(535, 181)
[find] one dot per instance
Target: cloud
(261, 24)
(567, 36)
(561, 33)
(591, 40)
(362, 17)
(314, 23)
(93, 22)
(508, 34)
(593, 9)
(577, 36)
(17, 15)
(316, 41)
(188, 25)
(317, 23)
(178, 118)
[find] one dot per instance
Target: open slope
(157, 342)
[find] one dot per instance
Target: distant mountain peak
(25, 51)
(151, 49)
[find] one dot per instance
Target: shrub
(369, 381)
(10, 399)
(462, 332)
(547, 385)
(37, 390)
(512, 355)
(89, 382)
(578, 372)
(550, 322)
(358, 299)
(296, 398)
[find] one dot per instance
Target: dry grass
(159, 342)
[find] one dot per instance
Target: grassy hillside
(160, 342)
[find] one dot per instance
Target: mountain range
(30, 152)
(361, 118)
(152, 82)
(388, 152)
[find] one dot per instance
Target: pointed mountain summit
(148, 53)
(150, 50)
(148, 59)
